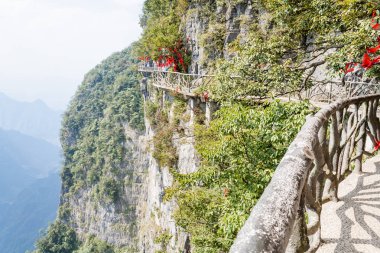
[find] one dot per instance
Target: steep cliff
(213, 27)
(103, 166)
(119, 162)
(144, 171)
(114, 178)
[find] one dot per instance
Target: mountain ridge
(31, 118)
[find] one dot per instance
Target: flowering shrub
(367, 62)
(161, 40)
(176, 57)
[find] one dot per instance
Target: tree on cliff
(59, 238)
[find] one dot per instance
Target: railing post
(210, 109)
(314, 191)
(361, 141)
(377, 120)
(330, 93)
(331, 177)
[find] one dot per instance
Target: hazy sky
(46, 46)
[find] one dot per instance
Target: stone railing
(330, 145)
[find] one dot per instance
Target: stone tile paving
(353, 223)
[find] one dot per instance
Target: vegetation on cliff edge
(95, 147)
(240, 150)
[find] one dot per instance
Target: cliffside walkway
(321, 198)
(177, 82)
(320, 94)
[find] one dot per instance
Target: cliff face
(105, 161)
(113, 179)
(157, 229)
(140, 219)
(113, 221)
(124, 152)
(113, 187)
(209, 37)
(211, 28)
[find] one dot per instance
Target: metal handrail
(326, 91)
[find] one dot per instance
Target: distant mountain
(31, 211)
(32, 118)
(22, 160)
(29, 164)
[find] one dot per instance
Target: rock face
(140, 217)
(210, 31)
(154, 214)
(140, 220)
(115, 222)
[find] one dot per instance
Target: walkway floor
(353, 223)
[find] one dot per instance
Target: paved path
(353, 223)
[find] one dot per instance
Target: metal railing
(176, 81)
(329, 145)
(328, 91)
(321, 91)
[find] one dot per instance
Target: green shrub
(94, 245)
(59, 238)
(163, 240)
(92, 135)
(108, 190)
(164, 151)
(240, 150)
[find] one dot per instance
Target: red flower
(373, 49)
(366, 63)
(350, 67)
(376, 60)
(377, 145)
(374, 24)
(205, 96)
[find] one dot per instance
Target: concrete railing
(329, 145)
